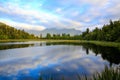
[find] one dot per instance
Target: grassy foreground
(107, 74)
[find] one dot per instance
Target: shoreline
(99, 43)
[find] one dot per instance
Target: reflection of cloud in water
(57, 58)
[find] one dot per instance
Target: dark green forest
(8, 32)
(109, 32)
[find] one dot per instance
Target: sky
(69, 14)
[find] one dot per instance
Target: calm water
(29, 60)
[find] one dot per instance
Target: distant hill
(8, 32)
(52, 31)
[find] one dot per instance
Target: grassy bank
(100, 43)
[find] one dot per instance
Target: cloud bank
(41, 14)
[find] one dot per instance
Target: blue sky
(42, 14)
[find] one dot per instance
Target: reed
(106, 74)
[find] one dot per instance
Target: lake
(32, 59)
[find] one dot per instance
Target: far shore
(100, 43)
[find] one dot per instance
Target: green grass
(102, 43)
(107, 74)
(99, 43)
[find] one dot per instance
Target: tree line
(57, 36)
(109, 32)
(8, 32)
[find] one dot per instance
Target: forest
(8, 32)
(109, 32)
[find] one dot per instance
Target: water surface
(30, 60)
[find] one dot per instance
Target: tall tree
(48, 36)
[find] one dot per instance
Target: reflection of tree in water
(2, 47)
(108, 53)
(12, 46)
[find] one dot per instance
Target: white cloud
(96, 2)
(58, 10)
(26, 13)
(42, 17)
(114, 10)
(26, 26)
(76, 13)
